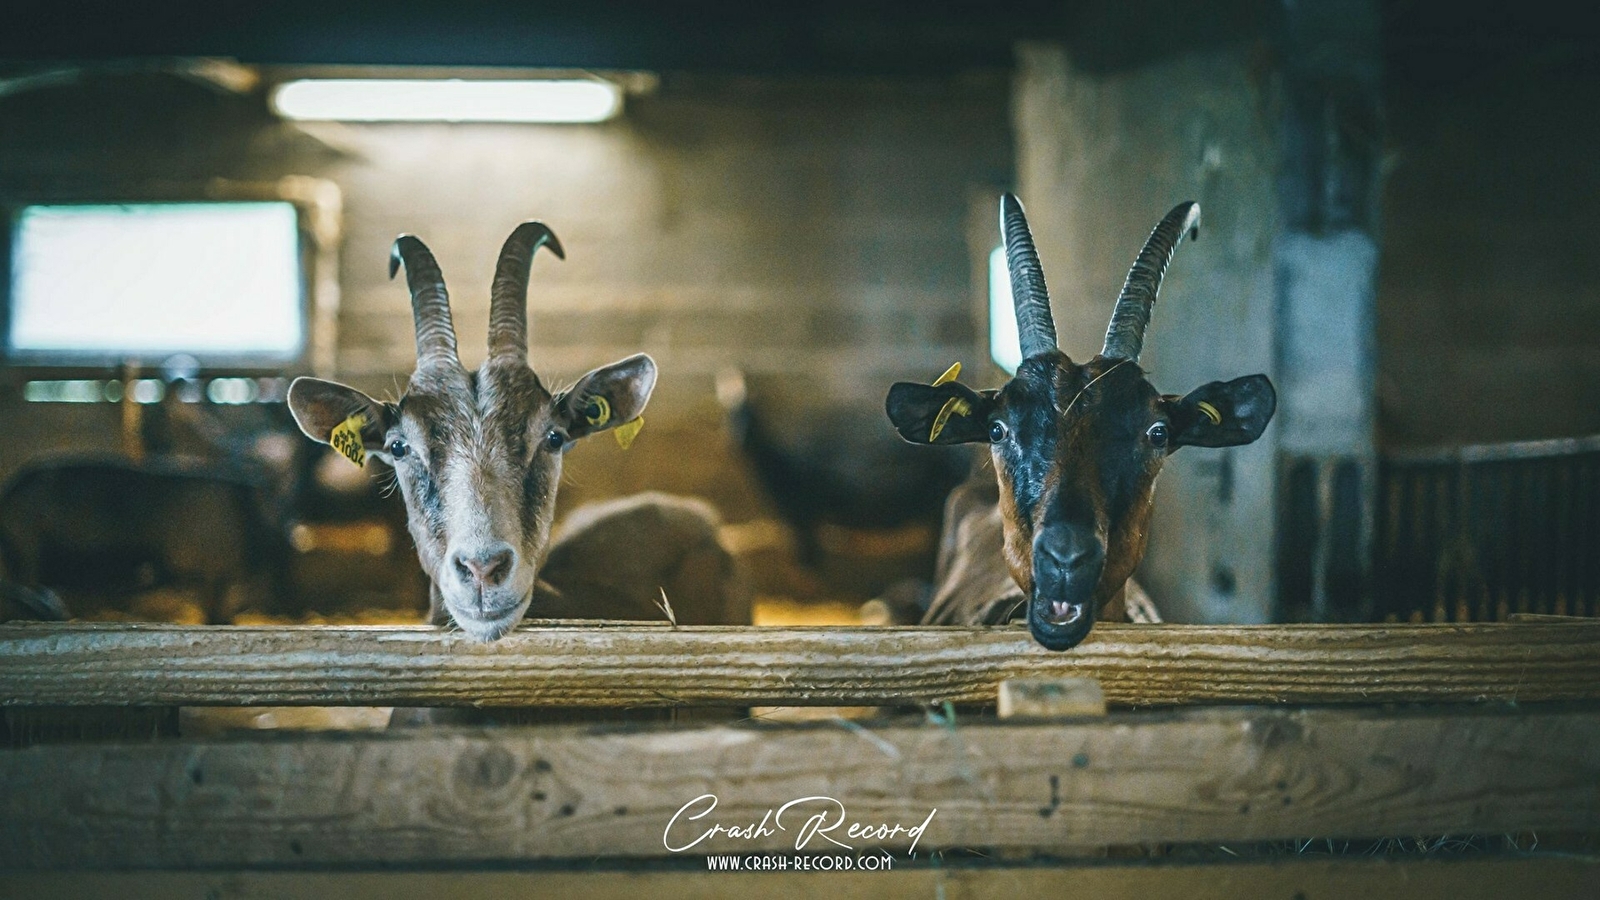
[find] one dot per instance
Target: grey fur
(478, 455)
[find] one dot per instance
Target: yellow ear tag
(950, 374)
(953, 406)
(346, 438)
(598, 412)
(1210, 412)
(627, 431)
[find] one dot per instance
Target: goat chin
(486, 628)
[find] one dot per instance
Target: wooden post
(1051, 698)
(1046, 698)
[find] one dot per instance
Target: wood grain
(635, 665)
(459, 796)
(1050, 698)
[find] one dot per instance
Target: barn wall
(808, 231)
(1489, 286)
(804, 227)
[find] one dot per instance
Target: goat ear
(949, 413)
(1223, 413)
(607, 397)
(320, 406)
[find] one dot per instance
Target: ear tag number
(627, 431)
(955, 406)
(1210, 412)
(346, 438)
(950, 374)
(598, 412)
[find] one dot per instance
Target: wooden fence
(1218, 736)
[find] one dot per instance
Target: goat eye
(398, 448)
(554, 441)
(998, 432)
(1158, 434)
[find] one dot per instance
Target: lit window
(1004, 345)
(217, 280)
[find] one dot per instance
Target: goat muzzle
(1066, 574)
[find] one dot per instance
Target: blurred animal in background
(342, 536)
(647, 556)
(96, 531)
(477, 455)
(1076, 449)
(835, 464)
(31, 603)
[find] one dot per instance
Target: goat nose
(1072, 560)
(484, 568)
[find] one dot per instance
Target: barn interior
(790, 208)
(801, 204)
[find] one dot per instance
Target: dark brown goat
(1076, 449)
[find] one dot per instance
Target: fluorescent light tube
(453, 100)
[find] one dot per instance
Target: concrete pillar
(1326, 257)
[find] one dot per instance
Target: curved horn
(1035, 327)
(508, 299)
(430, 302)
(1125, 334)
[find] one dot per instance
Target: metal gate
(1479, 532)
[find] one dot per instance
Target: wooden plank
(1547, 619)
(1050, 698)
(1548, 878)
(459, 796)
(159, 665)
(24, 725)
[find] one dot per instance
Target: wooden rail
(637, 666)
(460, 796)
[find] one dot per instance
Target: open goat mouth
(1059, 624)
(1064, 613)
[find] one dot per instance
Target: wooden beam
(1548, 878)
(633, 666)
(458, 796)
(1050, 698)
(24, 725)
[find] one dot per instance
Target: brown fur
(1076, 451)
